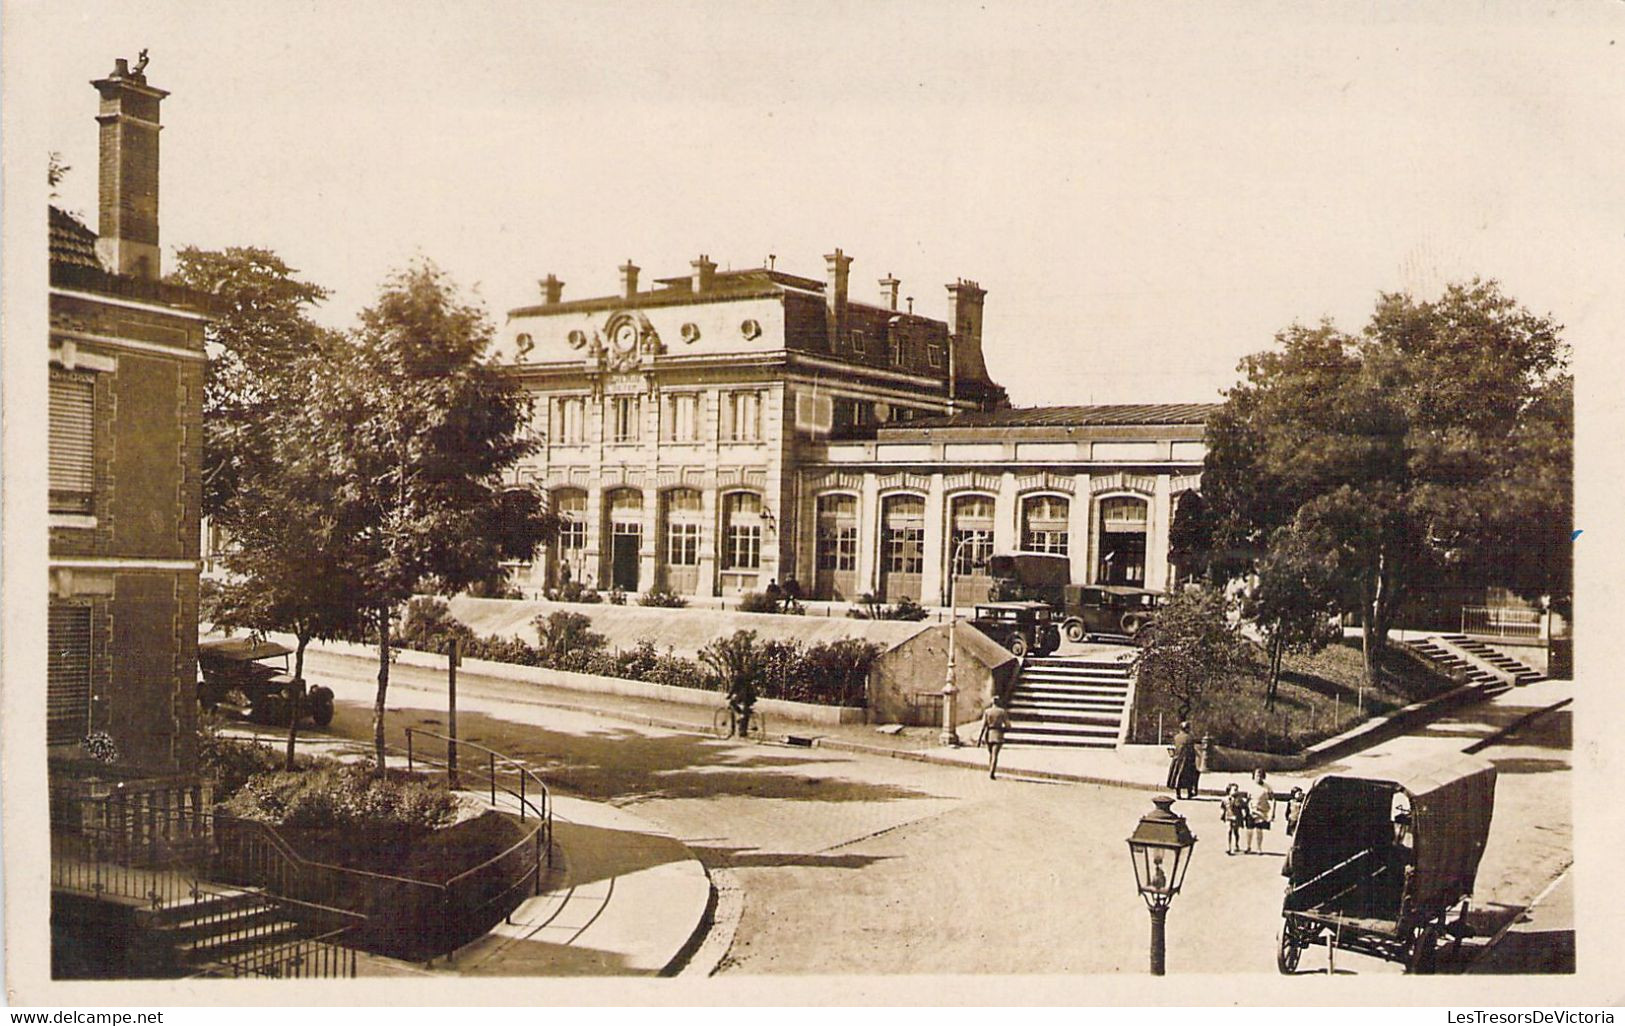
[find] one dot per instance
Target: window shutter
(72, 434)
(67, 674)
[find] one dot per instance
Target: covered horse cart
(1383, 862)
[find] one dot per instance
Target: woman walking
(1183, 773)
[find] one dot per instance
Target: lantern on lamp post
(1160, 849)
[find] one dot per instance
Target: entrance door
(624, 545)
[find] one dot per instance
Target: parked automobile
(1022, 627)
(244, 665)
(1090, 611)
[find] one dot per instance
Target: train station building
(723, 430)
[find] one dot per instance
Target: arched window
(741, 531)
(971, 537)
(837, 539)
(1044, 524)
(683, 515)
(1123, 520)
(903, 538)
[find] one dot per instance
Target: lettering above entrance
(1145, 484)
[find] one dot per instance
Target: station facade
(726, 430)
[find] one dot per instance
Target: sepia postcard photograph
(1023, 503)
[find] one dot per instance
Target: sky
(1147, 192)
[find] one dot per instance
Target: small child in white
(1233, 810)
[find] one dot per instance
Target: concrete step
(1022, 704)
(225, 946)
(1050, 689)
(1059, 740)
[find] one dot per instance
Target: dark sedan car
(1022, 627)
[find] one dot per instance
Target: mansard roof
(1073, 416)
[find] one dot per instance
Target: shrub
(497, 588)
(872, 607)
(228, 763)
(428, 626)
(680, 673)
(758, 602)
(835, 673)
(567, 641)
(617, 597)
(347, 797)
(737, 661)
(502, 650)
(574, 591)
(663, 599)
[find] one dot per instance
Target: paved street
(851, 863)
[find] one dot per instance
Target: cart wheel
(1292, 945)
(1073, 630)
(321, 706)
(1424, 954)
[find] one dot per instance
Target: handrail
(287, 851)
(524, 772)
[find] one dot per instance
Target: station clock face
(625, 336)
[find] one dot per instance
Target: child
(1260, 813)
(1294, 809)
(1233, 810)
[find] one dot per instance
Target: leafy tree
(1414, 452)
(1292, 599)
(286, 564)
(739, 664)
(1189, 646)
(418, 430)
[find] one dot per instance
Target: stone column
(1156, 536)
(1081, 541)
(936, 541)
(1006, 516)
(648, 563)
(869, 534)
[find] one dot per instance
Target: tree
(1412, 452)
(739, 665)
(1292, 599)
(1189, 645)
(418, 430)
(286, 564)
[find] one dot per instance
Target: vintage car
(1024, 628)
(243, 665)
(1106, 611)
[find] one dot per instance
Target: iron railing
(1502, 622)
(323, 957)
(503, 774)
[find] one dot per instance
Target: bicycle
(725, 724)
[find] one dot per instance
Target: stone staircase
(1476, 662)
(1070, 702)
(225, 930)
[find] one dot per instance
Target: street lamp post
(950, 690)
(1160, 849)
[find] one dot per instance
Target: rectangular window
(572, 511)
(895, 346)
(746, 422)
(682, 544)
(67, 674)
(905, 550)
(571, 422)
(972, 548)
(859, 342)
(837, 547)
(933, 353)
(624, 418)
(684, 419)
(71, 442)
(744, 551)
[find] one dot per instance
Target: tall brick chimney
(839, 270)
(552, 289)
(128, 229)
(629, 279)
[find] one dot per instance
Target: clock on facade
(624, 336)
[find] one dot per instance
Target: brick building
(125, 442)
(727, 429)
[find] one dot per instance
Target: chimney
(965, 332)
(629, 279)
(127, 240)
(888, 291)
(840, 268)
(552, 289)
(704, 269)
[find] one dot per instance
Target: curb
(1516, 725)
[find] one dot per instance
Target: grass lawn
(1319, 697)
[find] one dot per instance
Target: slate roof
(72, 242)
(1073, 416)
